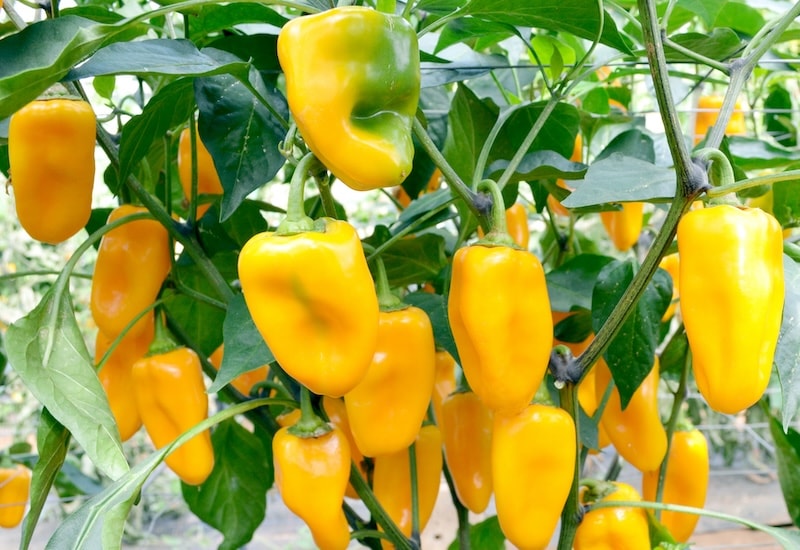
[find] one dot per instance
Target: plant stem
(379, 515)
(412, 466)
(296, 220)
(571, 514)
(461, 511)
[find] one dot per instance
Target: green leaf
(673, 358)
(787, 353)
(778, 116)
(470, 120)
(241, 134)
(47, 350)
(212, 19)
(557, 134)
(159, 56)
(619, 179)
(476, 33)
(422, 206)
(436, 308)
(786, 202)
(631, 354)
(660, 537)
(740, 17)
(42, 53)
(721, 44)
(468, 65)
(787, 455)
(570, 286)
(52, 441)
(233, 499)
(414, 260)
(168, 108)
(104, 86)
(485, 535)
(245, 348)
(631, 143)
(758, 154)
(575, 328)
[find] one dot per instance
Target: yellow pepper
(620, 528)
(624, 226)
(444, 381)
(15, 486)
(533, 466)
(171, 397)
(208, 182)
(731, 296)
(51, 145)
(671, 264)
(337, 414)
(707, 112)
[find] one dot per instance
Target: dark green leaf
(233, 499)
(47, 350)
(787, 455)
(673, 358)
(42, 53)
(470, 120)
(168, 108)
(631, 354)
(631, 143)
(570, 286)
(540, 165)
(575, 328)
(215, 18)
(259, 49)
(778, 116)
(247, 222)
(436, 308)
(557, 134)
(414, 260)
(469, 65)
(52, 441)
(758, 154)
(245, 348)
(485, 535)
(786, 202)
(619, 179)
(787, 353)
(425, 205)
(721, 44)
(241, 134)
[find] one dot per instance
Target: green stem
(412, 467)
(125, 330)
(375, 508)
(368, 534)
(768, 179)
(410, 228)
(328, 203)
(21, 274)
(296, 220)
(462, 513)
(791, 250)
(486, 148)
(163, 341)
(193, 148)
(386, 299)
(310, 424)
(570, 515)
(498, 230)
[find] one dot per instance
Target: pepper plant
(530, 297)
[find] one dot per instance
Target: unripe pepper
(387, 407)
(392, 480)
(466, 427)
(731, 296)
(15, 486)
(171, 397)
(636, 432)
(499, 312)
(444, 381)
(624, 226)
(337, 414)
(132, 262)
(312, 467)
(51, 146)
(353, 83)
(244, 382)
(620, 528)
(310, 294)
(533, 466)
(116, 375)
(208, 182)
(685, 483)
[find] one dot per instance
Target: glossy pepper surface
(499, 313)
(444, 381)
(353, 83)
(312, 299)
(171, 397)
(686, 481)
(387, 407)
(533, 465)
(208, 182)
(337, 414)
(311, 474)
(116, 375)
(636, 432)
(620, 528)
(466, 427)
(392, 480)
(51, 156)
(731, 297)
(623, 226)
(132, 262)
(15, 486)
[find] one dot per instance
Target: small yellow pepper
(624, 226)
(15, 486)
(671, 263)
(444, 381)
(208, 182)
(620, 528)
(708, 108)
(336, 410)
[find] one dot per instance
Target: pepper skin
(731, 297)
(636, 432)
(707, 112)
(207, 178)
(624, 226)
(132, 262)
(51, 157)
(15, 486)
(386, 409)
(116, 375)
(500, 317)
(337, 414)
(533, 466)
(311, 474)
(392, 480)
(467, 432)
(686, 482)
(671, 263)
(244, 382)
(444, 381)
(312, 299)
(615, 528)
(353, 83)
(171, 398)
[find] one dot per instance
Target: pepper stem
(720, 172)
(310, 424)
(386, 6)
(162, 341)
(386, 299)
(498, 233)
(296, 220)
